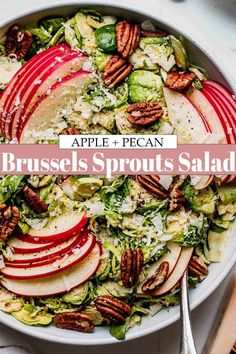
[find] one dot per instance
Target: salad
(86, 251)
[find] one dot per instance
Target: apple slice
(46, 76)
(227, 110)
(224, 92)
(227, 118)
(20, 246)
(188, 122)
(171, 257)
(50, 105)
(59, 229)
(59, 249)
(60, 282)
(211, 113)
(66, 261)
(11, 90)
(42, 258)
(177, 273)
(10, 93)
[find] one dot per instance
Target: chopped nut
(9, 217)
(131, 265)
(144, 113)
(151, 183)
(75, 321)
(179, 82)
(113, 309)
(17, 42)
(198, 268)
(127, 38)
(70, 131)
(34, 201)
(177, 199)
(158, 279)
(115, 71)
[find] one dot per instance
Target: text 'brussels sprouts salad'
(86, 251)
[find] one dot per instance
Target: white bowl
(218, 271)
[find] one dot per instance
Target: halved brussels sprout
(216, 245)
(70, 35)
(180, 54)
(227, 193)
(103, 269)
(144, 86)
(79, 188)
(38, 320)
(94, 18)
(87, 186)
(81, 24)
(106, 38)
(77, 295)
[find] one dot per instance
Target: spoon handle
(187, 345)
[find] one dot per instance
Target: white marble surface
(213, 22)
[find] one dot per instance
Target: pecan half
(157, 33)
(127, 38)
(9, 217)
(177, 199)
(197, 268)
(151, 183)
(115, 71)
(144, 113)
(70, 131)
(179, 82)
(75, 321)
(34, 201)
(157, 279)
(115, 310)
(17, 42)
(131, 265)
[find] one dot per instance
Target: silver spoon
(187, 345)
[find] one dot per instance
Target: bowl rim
(222, 69)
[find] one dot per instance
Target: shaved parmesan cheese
(158, 223)
(165, 181)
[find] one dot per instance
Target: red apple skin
(33, 72)
(224, 92)
(27, 70)
(9, 89)
(228, 110)
(35, 248)
(36, 262)
(66, 79)
(52, 272)
(33, 91)
(58, 292)
(226, 124)
(60, 236)
(209, 112)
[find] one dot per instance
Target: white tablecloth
(213, 22)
